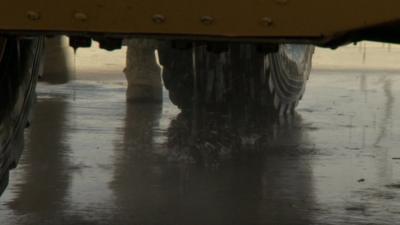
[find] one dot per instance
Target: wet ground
(92, 158)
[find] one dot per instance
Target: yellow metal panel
(227, 18)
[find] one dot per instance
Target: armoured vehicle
(214, 53)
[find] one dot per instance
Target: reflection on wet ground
(92, 158)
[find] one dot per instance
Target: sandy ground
(92, 158)
(368, 56)
(97, 64)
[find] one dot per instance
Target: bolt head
(158, 18)
(33, 15)
(267, 21)
(207, 20)
(80, 16)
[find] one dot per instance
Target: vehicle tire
(19, 67)
(241, 75)
(289, 72)
(177, 74)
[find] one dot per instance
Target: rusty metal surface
(251, 18)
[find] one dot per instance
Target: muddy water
(92, 158)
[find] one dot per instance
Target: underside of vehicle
(215, 54)
(324, 23)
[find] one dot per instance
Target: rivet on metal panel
(158, 18)
(33, 15)
(80, 16)
(207, 20)
(266, 21)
